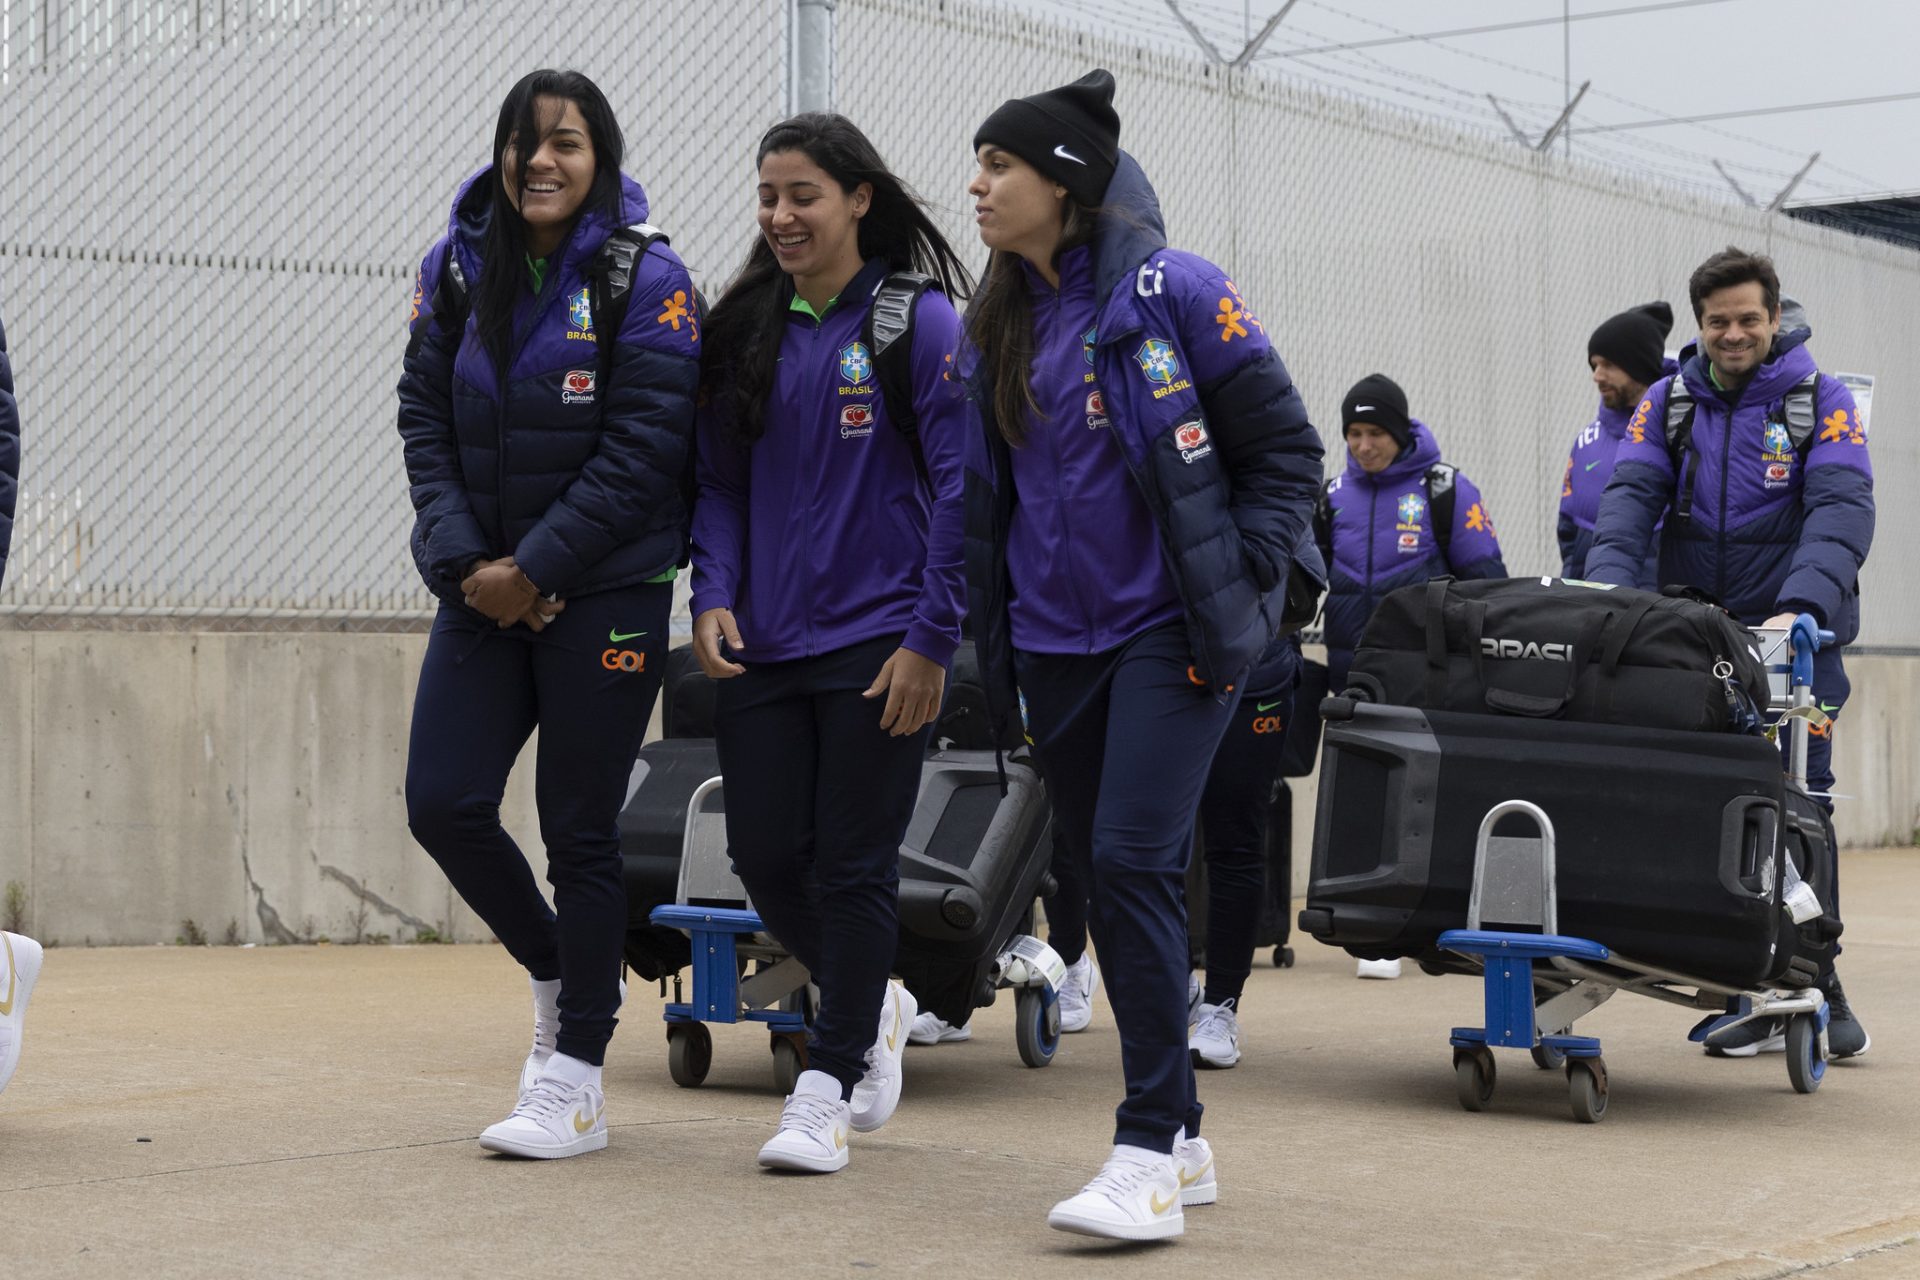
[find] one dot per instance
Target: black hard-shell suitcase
(1668, 842)
(686, 696)
(652, 827)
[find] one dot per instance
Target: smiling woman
(546, 427)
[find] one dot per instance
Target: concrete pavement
(310, 1111)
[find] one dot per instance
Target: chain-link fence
(204, 276)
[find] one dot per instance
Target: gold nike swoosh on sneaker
(894, 1034)
(1185, 1181)
(13, 977)
(1161, 1206)
(839, 1139)
(581, 1123)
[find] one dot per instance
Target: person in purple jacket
(1625, 356)
(1772, 526)
(827, 594)
(545, 454)
(1140, 485)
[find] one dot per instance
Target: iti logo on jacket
(1190, 438)
(1412, 507)
(1096, 410)
(856, 362)
(576, 386)
(580, 315)
(856, 420)
(1157, 361)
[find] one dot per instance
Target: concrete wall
(151, 778)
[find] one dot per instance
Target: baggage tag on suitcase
(1029, 962)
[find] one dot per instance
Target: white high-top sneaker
(20, 959)
(546, 1028)
(1193, 1163)
(1215, 1038)
(878, 1093)
(1076, 993)
(931, 1028)
(563, 1114)
(1135, 1196)
(813, 1128)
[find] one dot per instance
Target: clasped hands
(498, 589)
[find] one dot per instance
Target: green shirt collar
(805, 308)
(537, 270)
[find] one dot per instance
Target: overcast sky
(1681, 58)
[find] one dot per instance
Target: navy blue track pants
(1125, 741)
(818, 800)
(587, 683)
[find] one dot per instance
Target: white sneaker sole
(1158, 1229)
(953, 1035)
(542, 1151)
(1772, 1044)
(1205, 1062)
(1202, 1193)
(772, 1157)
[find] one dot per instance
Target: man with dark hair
(1625, 356)
(1759, 467)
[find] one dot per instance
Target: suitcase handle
(1749, 859)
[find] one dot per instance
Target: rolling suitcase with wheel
(1670, 841)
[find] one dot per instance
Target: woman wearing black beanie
(1138, 487)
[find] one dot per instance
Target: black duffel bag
(1548, 648)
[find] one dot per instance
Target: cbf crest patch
(856, 362)
(1412, 507)
(1157, 361)
(580, 311)
(1779, 443)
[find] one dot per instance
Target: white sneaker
(559, 1116)
(546, 1029)
(1196, 991)
(1378, 969)
(1135, 1196)
(1193, 1163)
(20, 959)
(878, 1093)
(1076, 993)
(931, 1028)
(1215, 1038)
(813, 1128)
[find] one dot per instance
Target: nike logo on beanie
(1065, 154)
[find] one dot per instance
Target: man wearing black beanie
(1625, 356)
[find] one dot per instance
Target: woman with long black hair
(828, 587)
(1139, 483)
(545, 443)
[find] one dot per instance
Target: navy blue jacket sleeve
(446, 537)
(9, 453)
(1256, 417)
(632, 485)
(1837, 529)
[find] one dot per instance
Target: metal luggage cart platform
(1538, 984)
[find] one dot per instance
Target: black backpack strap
(452, 300)
(1440, 502)
(610, 278)
(1679, 432)
(888, 334)
(1323, 521)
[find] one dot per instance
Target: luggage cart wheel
(789, 1059)
(1548, 1058)
(689, 1053)
(1805, 1066)
(1473, 1077)
(1036, 1015)
(1587, 1089)
(1283, 957)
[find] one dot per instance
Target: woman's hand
(708, 630)
(498, 589)
(539, 614)
(913, 685)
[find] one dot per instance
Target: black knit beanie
(1070, 134)
(1635, 340)
(1378, 399)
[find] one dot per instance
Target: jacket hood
(473, 209)
(1788, 363)
(1129, 228)
(1421, 452)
